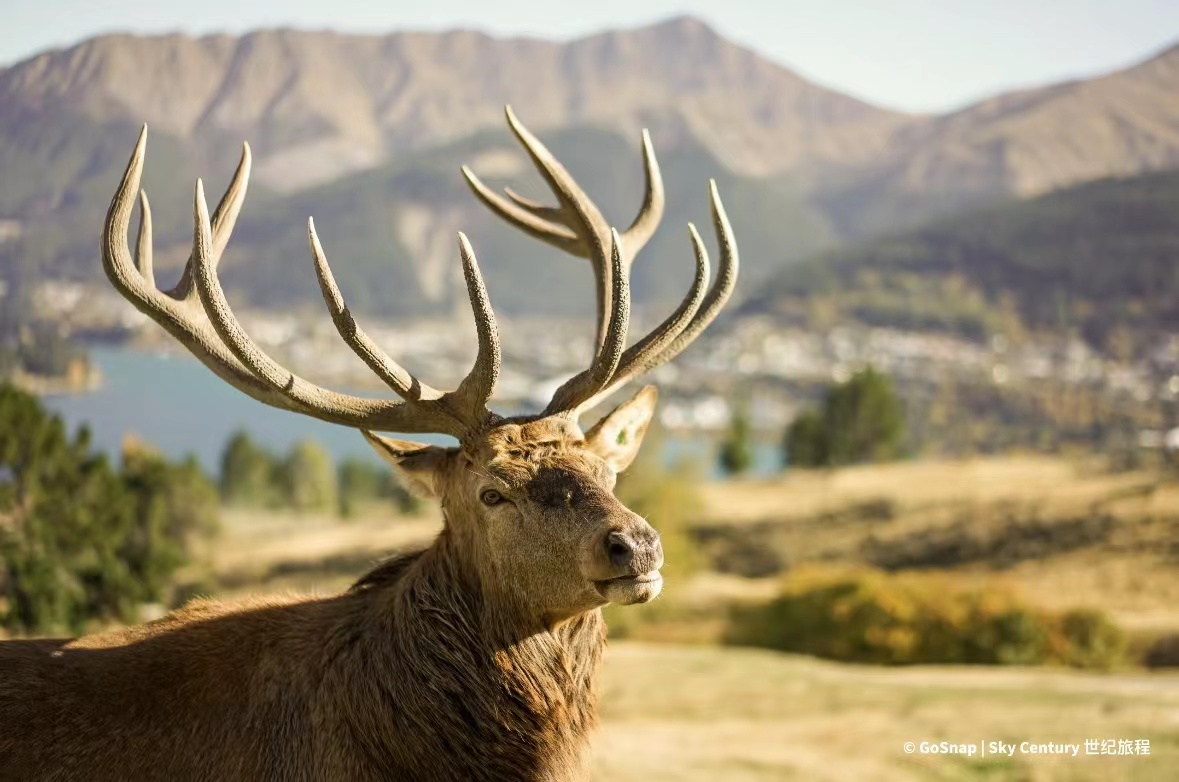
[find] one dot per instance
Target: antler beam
(198, 315)
(577, 226)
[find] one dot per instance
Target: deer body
(397, 679)
(472, 660)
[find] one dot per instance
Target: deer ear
(617, 437)
(420, 465)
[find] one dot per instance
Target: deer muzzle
(633, 557)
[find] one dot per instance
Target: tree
(174, 502)
(860, 420)
(80, 541)
(736, 451)
(248, 473)
(309, 478)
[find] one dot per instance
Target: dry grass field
(1063, 533)
(705, 714)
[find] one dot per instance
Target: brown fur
(472, 660)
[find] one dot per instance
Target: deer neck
(475, 669)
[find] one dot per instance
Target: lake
(180, 407)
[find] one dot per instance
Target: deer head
(528, 501)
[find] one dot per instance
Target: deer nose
(628, 554)
(620, 549)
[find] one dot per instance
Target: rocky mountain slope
(318, 104)
(365, 132)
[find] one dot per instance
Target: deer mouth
(628, 590)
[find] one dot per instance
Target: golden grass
(914, 486)
(713, 714)
(701, 714)
(270, 551)
(834, 516)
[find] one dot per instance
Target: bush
(1163, 653)
(175, 503)
(874, 617)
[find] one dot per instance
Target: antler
(577, 226)
(197, 314)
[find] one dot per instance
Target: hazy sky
(918, 55)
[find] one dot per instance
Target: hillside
(390, 232)
(1024, 143)
(1098, 260)
(365, 133)
(319, 104)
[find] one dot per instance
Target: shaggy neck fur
(488, 692)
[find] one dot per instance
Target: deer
(475, 658)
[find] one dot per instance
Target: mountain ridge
(1095, 261)
(810, 167)
(352, 101)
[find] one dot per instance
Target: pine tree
(309, 478)
(80, 541)
(736, 451)
(248, 474)
(860, 420)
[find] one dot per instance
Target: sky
(911, 55)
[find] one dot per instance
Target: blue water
(181, 408)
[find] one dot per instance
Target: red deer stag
(474, 659)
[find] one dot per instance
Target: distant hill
(317, 105)
(1099, 260)
(390, 232)
(366, 133)
(1023, 143)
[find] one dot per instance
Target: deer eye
(491, 497)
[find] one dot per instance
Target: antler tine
(575, 225)
(476, 388)
(177, 316)
(143, 253)
(693, 315)
(384, 367)
(552, 224)
(224, 220)
(198, 315)
(654, 200)
(474, 391)
(722, 289)
(585, 384)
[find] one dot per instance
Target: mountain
(390, 233)
(1023, 143)
(1097, 260)
(316, 105)
(366, 133)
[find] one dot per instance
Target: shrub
(1092, 640)
(875, 617)
(1163, 653)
